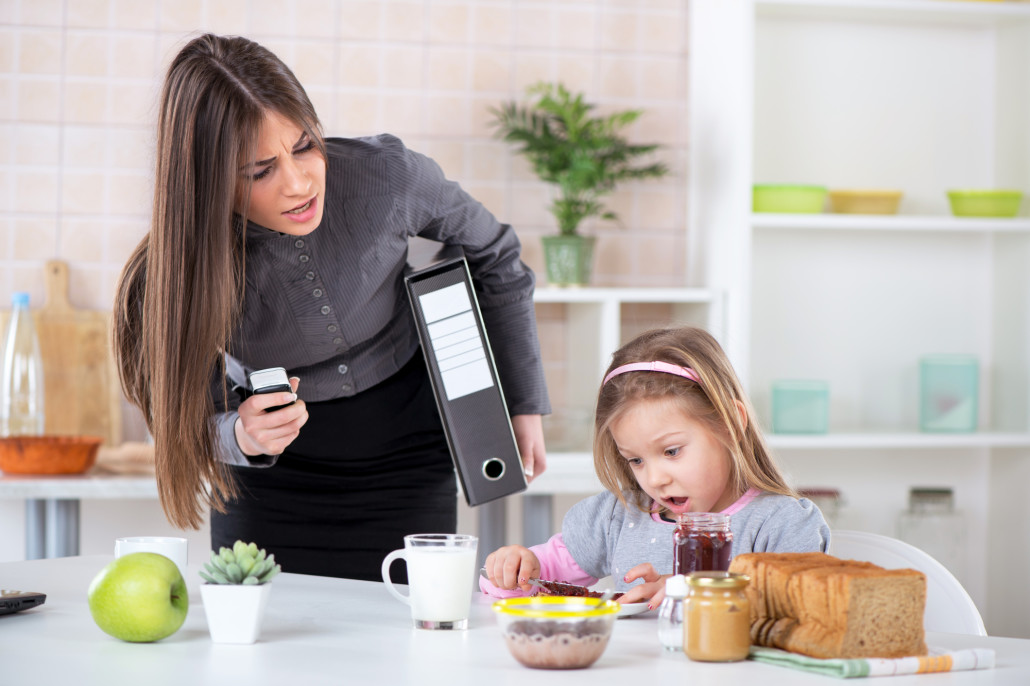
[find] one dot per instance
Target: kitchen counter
(322, 630)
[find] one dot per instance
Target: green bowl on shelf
(985, 203)
(794, 199)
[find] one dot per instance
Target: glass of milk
(441, 575)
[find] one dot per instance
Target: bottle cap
(20, 298)
(676, 586)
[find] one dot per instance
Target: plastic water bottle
(21, 378)
(670, 613)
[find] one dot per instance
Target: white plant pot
(234, 612)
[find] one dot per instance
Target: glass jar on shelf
(932, 524)
(828, 500)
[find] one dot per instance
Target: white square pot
(234, 613)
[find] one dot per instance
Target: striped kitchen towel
(939, 660)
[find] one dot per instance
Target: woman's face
(675, 458)
(288, 179)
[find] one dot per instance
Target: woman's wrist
(247, 446)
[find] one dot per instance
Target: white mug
(441, 573)
(172, 547)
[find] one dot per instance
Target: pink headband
(656, 366)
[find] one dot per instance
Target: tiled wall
(79, 81)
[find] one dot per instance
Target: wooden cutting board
(82, 392)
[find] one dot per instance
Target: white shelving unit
(919, 95)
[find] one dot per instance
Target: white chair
(949, 608)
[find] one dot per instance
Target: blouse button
(317, 292)
(303, 258)
(310, 276)
(331, 328)
(342, 369)
(346, 387)
(299, 243)
(325, 309)
(337, 340)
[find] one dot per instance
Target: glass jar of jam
(716, 617)
(702, 541)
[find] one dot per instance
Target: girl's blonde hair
(180, 295)
(712, 402)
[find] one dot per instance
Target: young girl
(673, 433)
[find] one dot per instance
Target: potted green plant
(236, 592)
(584, 156)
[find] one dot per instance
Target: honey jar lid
(718, 580)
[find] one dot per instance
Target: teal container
(800, 407)
(948, 393)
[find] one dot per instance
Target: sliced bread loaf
(825, 607)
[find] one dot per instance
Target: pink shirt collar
(742, 502)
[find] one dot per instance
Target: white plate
(630, 609)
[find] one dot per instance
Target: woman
(272, 246)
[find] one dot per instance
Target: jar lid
(711, 579)
(820, 492)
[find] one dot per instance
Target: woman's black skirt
(364, 472)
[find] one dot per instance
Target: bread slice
(825, 607)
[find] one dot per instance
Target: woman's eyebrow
(261, 163)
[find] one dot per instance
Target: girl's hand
(511, 566)
(529, 436)
(269, 433)
(652, 590)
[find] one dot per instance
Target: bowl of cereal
(556, 632)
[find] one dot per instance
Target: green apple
(139, 597)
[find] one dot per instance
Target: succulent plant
(243, 565)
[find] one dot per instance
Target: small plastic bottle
(670, 613)
(21, 374)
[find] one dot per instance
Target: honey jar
(716, 617)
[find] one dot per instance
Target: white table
(320, 630)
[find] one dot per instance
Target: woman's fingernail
(626, 578)
(294, 396)
(650, 606)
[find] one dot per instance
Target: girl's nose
(657, 476)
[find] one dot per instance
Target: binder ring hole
(493, 469)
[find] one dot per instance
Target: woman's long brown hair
(180, 295)
(712, 402)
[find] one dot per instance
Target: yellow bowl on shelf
(789, 198)
(865, 201)
(985, 202)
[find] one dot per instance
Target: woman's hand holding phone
(259, 432)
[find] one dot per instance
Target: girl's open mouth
(678, 505)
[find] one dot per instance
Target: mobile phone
(15, 601)
(271, 380)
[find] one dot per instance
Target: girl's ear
(743, 413)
